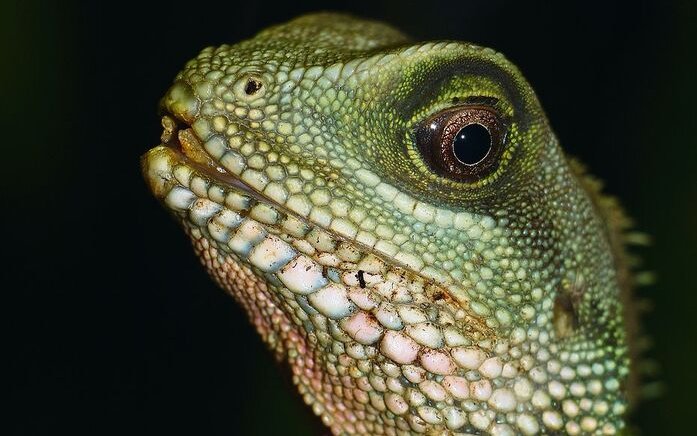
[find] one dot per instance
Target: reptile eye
(462, 143)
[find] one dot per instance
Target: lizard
(403, 229)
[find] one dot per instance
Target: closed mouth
(240, 219)
(178, 136)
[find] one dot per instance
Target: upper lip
(180, 137)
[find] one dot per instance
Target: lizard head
(401, 225)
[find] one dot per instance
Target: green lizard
(402, 227)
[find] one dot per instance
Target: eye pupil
(472, 144)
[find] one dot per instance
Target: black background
(110, 324)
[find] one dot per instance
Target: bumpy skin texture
(403, 301)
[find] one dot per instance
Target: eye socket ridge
(463, 143)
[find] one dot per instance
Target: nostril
(253, 86)
(249, 87)
(181, 101)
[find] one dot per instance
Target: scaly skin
(404, 301)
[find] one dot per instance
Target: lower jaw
(320, 303)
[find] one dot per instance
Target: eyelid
(501, 107)
(479, 100)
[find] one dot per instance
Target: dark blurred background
(110, 324)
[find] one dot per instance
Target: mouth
(302, 254)
(179, 138)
